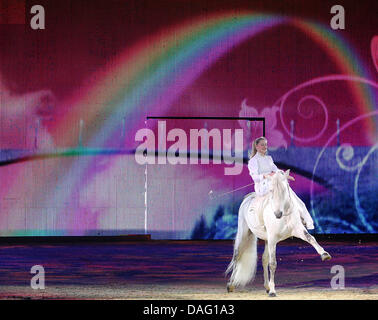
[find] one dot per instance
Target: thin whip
(225, 193)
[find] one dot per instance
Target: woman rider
(261, 166)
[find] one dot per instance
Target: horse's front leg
(265, 261)
(303, 234)
(272, 265)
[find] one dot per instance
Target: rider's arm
(254, 170)
(274, 167)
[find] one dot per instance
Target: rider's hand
(269, 174)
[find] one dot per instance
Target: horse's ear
(287, 173)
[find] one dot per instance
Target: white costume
(260, 165)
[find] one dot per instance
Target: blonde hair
(255, 143)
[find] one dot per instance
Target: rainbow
(349, 63)
(146, 78)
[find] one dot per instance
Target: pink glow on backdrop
(274, 135)
(93, 197)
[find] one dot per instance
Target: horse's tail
(244, 260)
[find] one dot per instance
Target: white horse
(276, 218)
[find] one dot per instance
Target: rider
(261, 166)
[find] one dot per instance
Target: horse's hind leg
(303, 234)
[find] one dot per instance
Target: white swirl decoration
(348, 153)
(282, 100)
(360, 211)
(344, 153)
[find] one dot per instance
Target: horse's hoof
(272, 294)
(230, 288)
(326, 256)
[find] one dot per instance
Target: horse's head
(280, 192)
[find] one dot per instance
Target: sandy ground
(184, 291)
(173, 270)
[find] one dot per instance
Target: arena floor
(178, 270)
